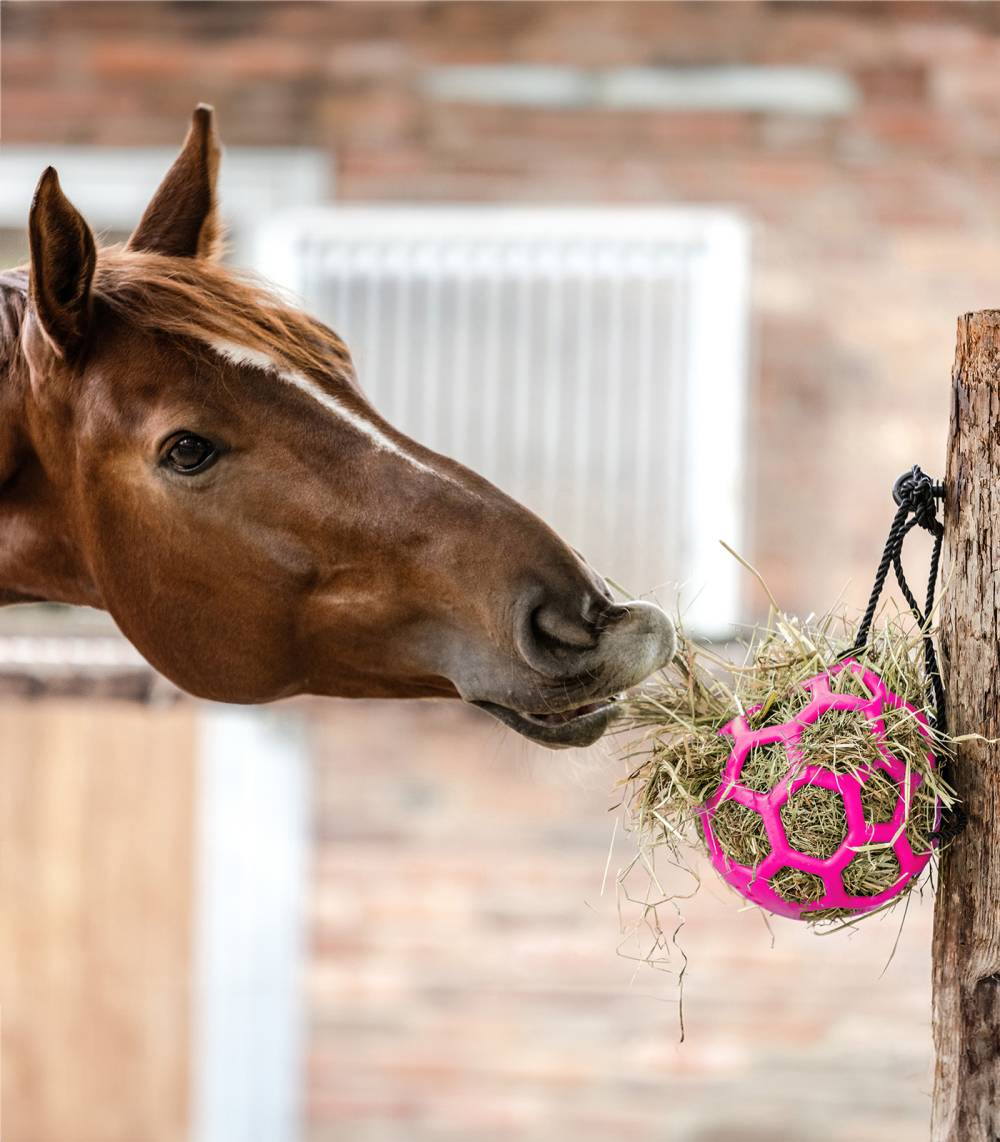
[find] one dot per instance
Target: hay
(814, 821)
(797, 886)
(841, 740)
(871, 871)
(879, 796)
(678, 756)
(741, 833)
(764, 767)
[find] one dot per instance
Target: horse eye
(190, 453)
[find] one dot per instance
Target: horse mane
(201, 300)
(196, 300)
(13, 303)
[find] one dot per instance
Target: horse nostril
(559, 632)
(611, 614)
(551, 624)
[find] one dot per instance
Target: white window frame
(720, 372)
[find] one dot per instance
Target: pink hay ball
(755, 883)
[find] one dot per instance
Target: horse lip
(577, 730)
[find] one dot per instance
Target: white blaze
(242, 355)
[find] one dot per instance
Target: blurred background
(669, 273)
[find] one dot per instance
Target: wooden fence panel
(96, 870)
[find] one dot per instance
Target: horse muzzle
(575, 701)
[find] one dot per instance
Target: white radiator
(591, 362)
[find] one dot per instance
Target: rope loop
(916, 496)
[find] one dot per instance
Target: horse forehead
(330, 404)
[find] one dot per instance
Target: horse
(185, 448)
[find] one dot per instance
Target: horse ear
(63, 257)
(182, 218)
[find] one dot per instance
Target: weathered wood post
(967, 917)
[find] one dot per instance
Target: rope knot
(918, 493)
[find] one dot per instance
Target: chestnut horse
(180, 447)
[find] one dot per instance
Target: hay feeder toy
(826, 881)
(815, 777)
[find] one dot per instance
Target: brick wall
(873, 228)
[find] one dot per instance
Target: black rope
(916, 496)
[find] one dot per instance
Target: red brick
(140, 61)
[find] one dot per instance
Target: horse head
(185, 449)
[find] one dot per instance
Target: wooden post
(967, 917)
